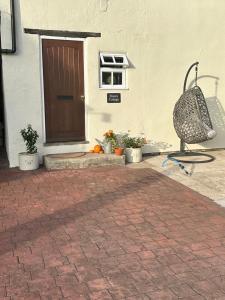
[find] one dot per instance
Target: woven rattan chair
(191, 117)
(192, 121)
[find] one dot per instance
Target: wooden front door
(63, 70)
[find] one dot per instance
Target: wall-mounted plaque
(113, 98)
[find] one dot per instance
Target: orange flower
(109, 133)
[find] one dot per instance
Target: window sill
(113, 89)
(65, 143)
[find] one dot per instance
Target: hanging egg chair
(192, 121)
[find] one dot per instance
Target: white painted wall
(162, 38)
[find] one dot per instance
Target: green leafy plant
(30, 137)
(133, 142)
(110, 136)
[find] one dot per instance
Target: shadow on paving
(31, 230)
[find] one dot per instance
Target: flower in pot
(119, 149)
(133, 148)
(109, 142)
(29, 160)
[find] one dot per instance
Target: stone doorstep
(81, 160)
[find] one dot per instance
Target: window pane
(117, 78)
(108, 59)
(119, 59)
(106, 78)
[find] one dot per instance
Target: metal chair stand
(206, 158)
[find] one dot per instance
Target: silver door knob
(82, 97)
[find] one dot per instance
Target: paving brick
(198, 246)
(41, 284)
(169, 259)
(186, 256)
(196, 297)
(163, 282)
(218, 270)
(215, 261)
(220, 282)
(198, 264)
(133, 248)
(3, 291)
(15, 291)
(66, 269)
(187, 277)
(183, 291)
(4, 280)
(98, 284)
(108, 233)
(130, 266)
(146, 254)
(179, 268)
(101, 295)
(122, 292)
(27, 296)
(138, 297)
(204, 253)
(208, 289)
(74, 291)
(87, 273)
(65, 279)
(165, 294)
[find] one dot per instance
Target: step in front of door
(81, 160)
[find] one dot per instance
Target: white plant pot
(28, 161)
(133, 155)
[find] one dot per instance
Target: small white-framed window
(111, 59)
(113, 71)
(112, 78)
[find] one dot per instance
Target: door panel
(63, 70)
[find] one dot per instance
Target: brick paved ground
(109, 233)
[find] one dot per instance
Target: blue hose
(176, 163)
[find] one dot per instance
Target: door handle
(82, 97)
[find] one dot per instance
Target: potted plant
(133, 148)
(29, 160)
(119, 149)
(109, 142)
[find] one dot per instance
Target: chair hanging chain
(196, 74)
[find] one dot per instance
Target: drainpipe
(7, 51)
(13, 30)
(2, 117)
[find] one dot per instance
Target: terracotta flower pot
(119, 151)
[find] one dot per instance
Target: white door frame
(85, 59)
